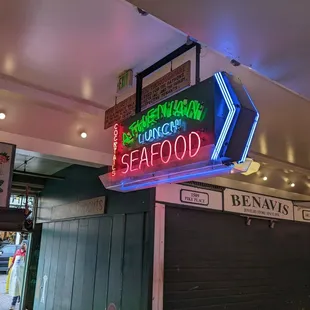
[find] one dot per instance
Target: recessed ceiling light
(84, 135)
(265, 178)
(292, 184)
(2, 115)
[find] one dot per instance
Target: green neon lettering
(161, 110)
(133, 128)
(189, 109)
(152, 117)
(179, 110)
(127, 139)
(169, 109)
(186, 108)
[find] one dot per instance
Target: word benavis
(172, 133)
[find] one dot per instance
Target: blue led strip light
(229, 118)
(177, 178)
(248, 144)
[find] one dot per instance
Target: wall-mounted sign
(189, 196)
(245, 203)
(302, 214)
(90, 207)
(83, 208)
(194, 197)
(258, 205)
(7, 157)
(196, 133)
(167, 85)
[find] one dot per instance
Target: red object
(19, 252)
(178, 150)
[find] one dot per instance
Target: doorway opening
(13, 266)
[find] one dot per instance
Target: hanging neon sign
(164, 152)
(159, 132)
(183, 109)
(201, 130)
(169, 134)
(115, 147)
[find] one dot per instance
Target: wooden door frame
(159, 253)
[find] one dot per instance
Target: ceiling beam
(38, 175)
(26, 179)
(31, 185)
(70, 161)
(55, 98)
(278, 163)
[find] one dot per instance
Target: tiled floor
(5, 300)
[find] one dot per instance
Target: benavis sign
(258, 205)
(197, 133)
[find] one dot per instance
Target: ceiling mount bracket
(178, 52)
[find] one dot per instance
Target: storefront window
(19, 201)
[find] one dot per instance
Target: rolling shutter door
(214, 261)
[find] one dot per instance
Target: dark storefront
(172, 246)
(215, 260)
(180, 252)
(94, 262)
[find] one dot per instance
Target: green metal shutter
(213, 261)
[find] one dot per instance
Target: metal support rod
(139, 93)
(31, 185)
(157, 65)
(198, 52)
(38, 175)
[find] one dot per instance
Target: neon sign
(165, 130)
(169, 134)
(184, 109)
(198, 132)
(115, 146)
(163, 152)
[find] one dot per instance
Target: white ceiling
(38, 165)
(79, 47)
(269, 36)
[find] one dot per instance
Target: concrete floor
(5, 299)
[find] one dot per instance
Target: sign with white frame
(7, 157)
(302, 214)
(84, 208)
(189, 196)
(258, 205)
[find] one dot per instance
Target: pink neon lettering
(123, 162)
(190, 144)
(161, 151)
(144, 158)
(147, 156)
(132, 160)
(175, 147)
(152, 152)
(115, 143)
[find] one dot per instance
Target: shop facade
(146, 241)
(96, 245)
(218, 248)
(177, 246)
